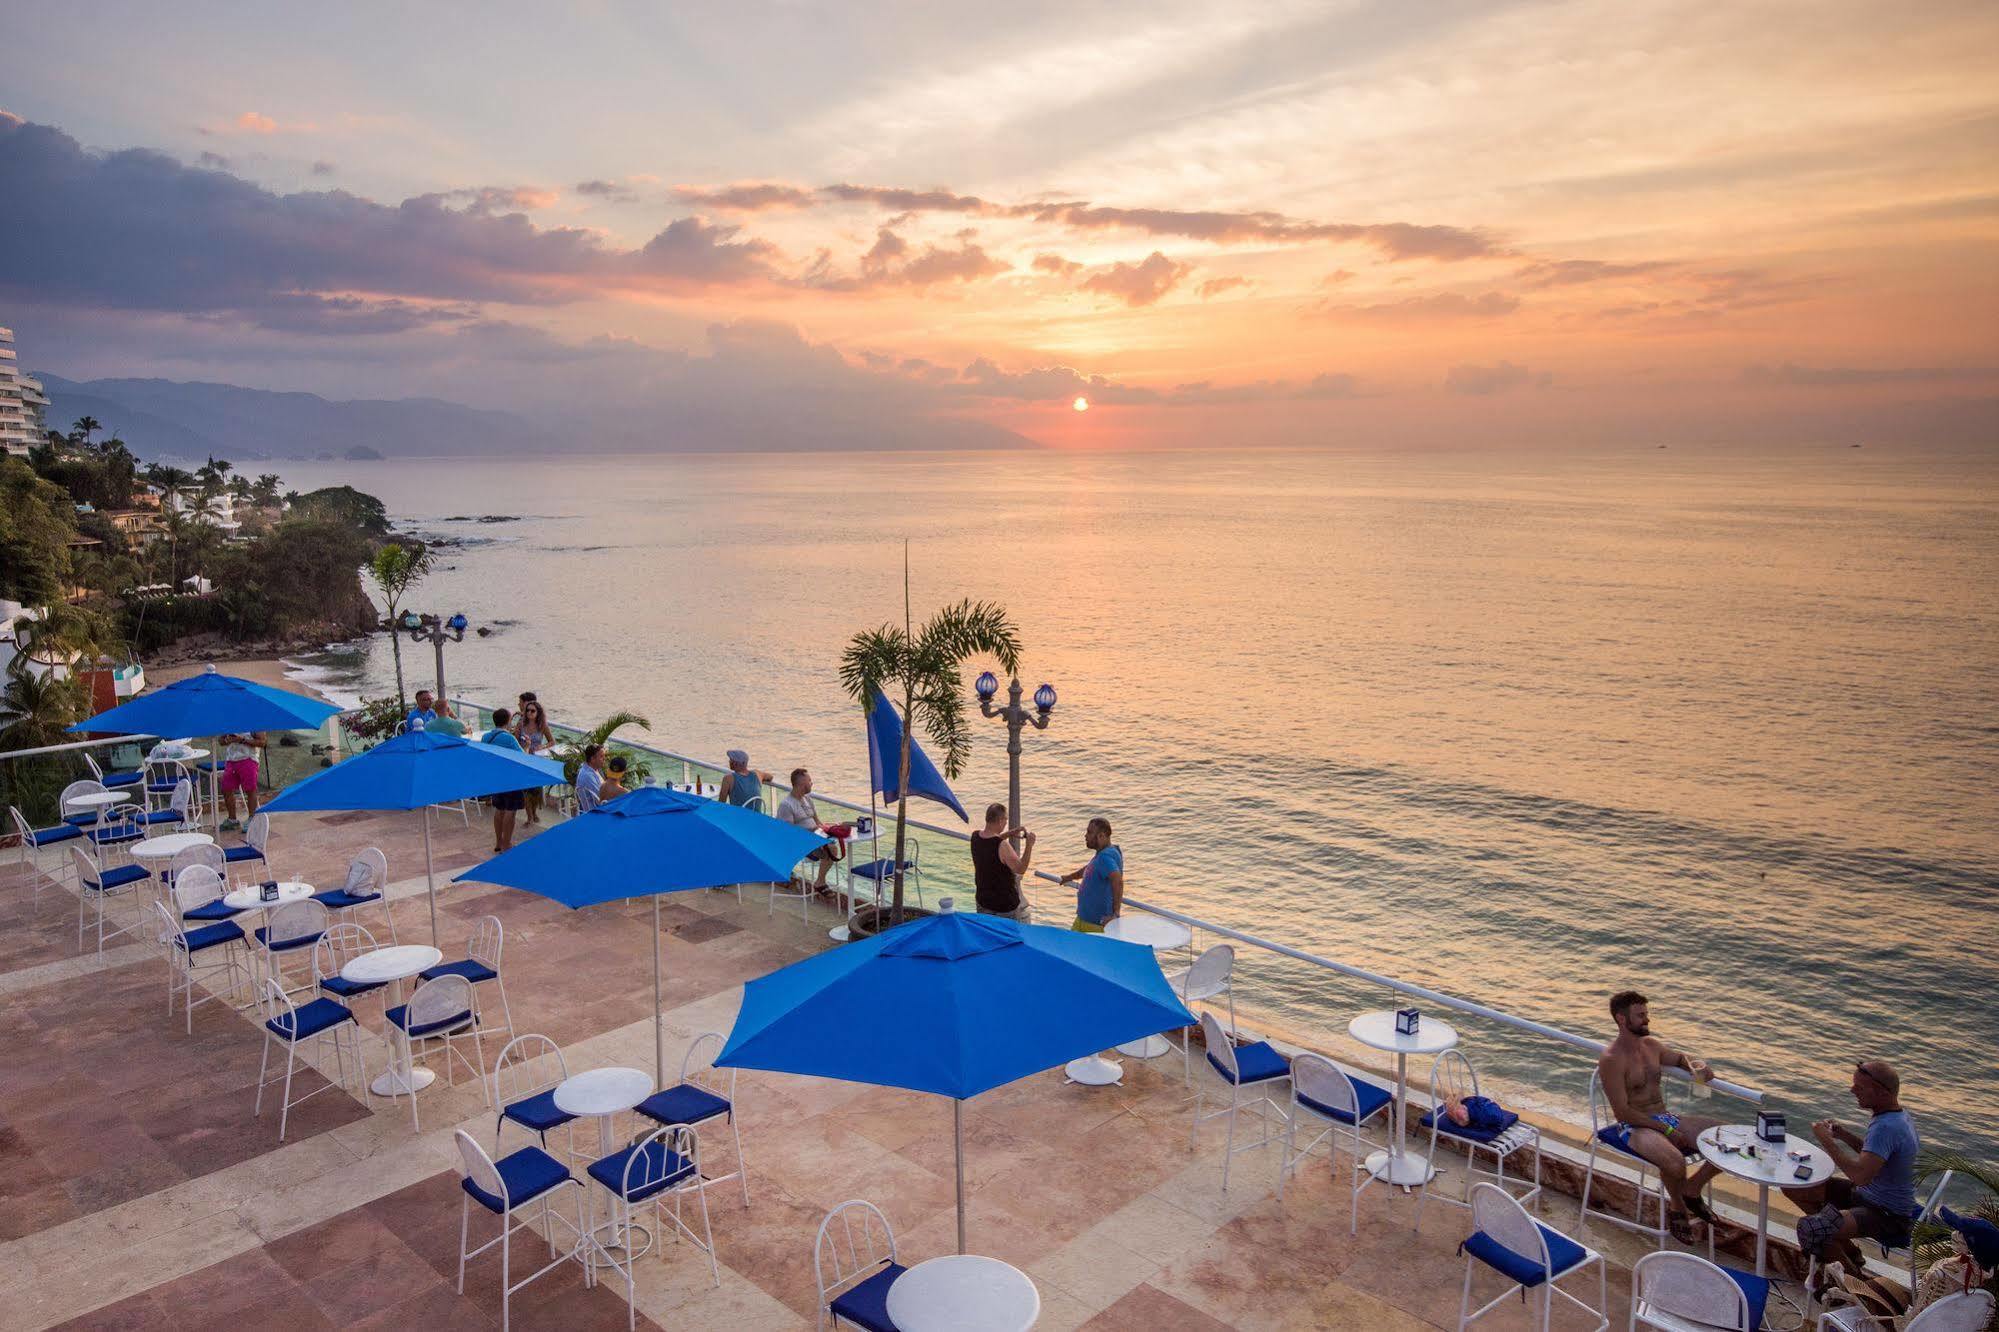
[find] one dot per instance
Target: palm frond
(1934, 1161)
(940, 709)
(971, 627)
(872, 659)
(604, 730)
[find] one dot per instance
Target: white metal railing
(1468, 1007)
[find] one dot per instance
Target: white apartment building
(23, 405)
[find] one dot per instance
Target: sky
(1281, 224)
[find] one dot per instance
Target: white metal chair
(664, 1164)
(342, 942)
(116, 781)
(502, 1187)
(1966, 1311)
(1255, 1068)
(256, 845)
(481, 964)
(31, 839)
(1684, 1292)
(439, 1011)
(203, 856)
(85, 815)
(525, 1076)
(1209, 976)
(880, 872)
(1925, 1210)
(1452, 1078)
(197, 894)
(185, 949)
(163, 777)
(1331, 1096)
(1650, 1188)
(99, 885)
(291, 927)
(701, 1095)
(1529, 1255)
(367, 881)
(295, 1024)
(800, 887)
(854, 1263)
(177, 811)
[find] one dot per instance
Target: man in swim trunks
(1874, 1194)
(1644, 1127)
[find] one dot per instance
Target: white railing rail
(74, 745)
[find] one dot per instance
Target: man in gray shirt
(799, 810)
(1874, 1194)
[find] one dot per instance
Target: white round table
(1398, 1165)
(95, 800)
(602, 1093)
(841, 933)
(252, 898)
(1719, 1146)
(1161, 935)
(394, 965)
(167, 845)
(963, 1292)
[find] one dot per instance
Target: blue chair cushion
(339, 899)
(881, 869)
(348, 989)
(659, 1170)
(216, 910)
(470, 970)
(1563, 1254)
(284, 945)
(867, 1303)
(1489, 1121)
(1255, 1063)
(121, 875)
(1368, 1099)
(159, 816)
(537, 1112)
(114, 780)
(209, 936)
(1755, 1289)
(83, 820)
(62, 832)
(525, 1175)
(123, 832)
(400, 1014)
(236, 855)
(313, 1018)
(684, 1104)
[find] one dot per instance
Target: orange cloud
(1138, 284)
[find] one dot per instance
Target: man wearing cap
(1874, 1194)
(742, 785)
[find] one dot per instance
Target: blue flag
(885, 758)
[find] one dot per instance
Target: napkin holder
(267, 891)
(1770, 1127)
(1407, 1020)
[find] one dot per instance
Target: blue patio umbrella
(648, 842)
(416, 770)
(210, 704)
(979, 1001)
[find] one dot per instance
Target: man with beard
(1645, 1128)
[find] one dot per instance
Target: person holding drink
(1630, 1071)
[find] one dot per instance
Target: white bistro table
(1161, 935)
(841, 933)
(395, 964)
(602, 1093)
(252, 898)
(1398, 1165)
(1723, 1146)
(95, 800)
(156, 853)
(963, 1292)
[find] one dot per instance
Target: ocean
(1530, 728)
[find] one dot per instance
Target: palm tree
(395, 569)
(1932, 1240)
(571, 756)
(85, 427)
(922, 668)
(35, 708)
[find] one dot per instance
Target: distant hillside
(161, 416)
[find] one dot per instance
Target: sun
(1081, 404)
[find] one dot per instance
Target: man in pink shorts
(239, 773)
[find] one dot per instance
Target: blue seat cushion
(209, 936)
(313, 1018)
(339, 899)
(62, 832)
(123, 832)
(659, 1170)
(684, 1104)
(537, 1112)
(159, 816)
(284, 945)
(525, 1175)
(400, 1014)
(470, 970)
(1368, 1100)
(83, 820)
(114, 780)
(348, 989)
(1468, 1132)
(121, 875)
(1755, 1289)
(1255, 1063)
(881, 869)
(867, 1303)
(1563, 1254)
(236, 855)
(216, 910)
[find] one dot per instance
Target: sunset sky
(1222, 224)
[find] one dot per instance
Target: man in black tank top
(1000, 856)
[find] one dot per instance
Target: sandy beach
(264, 670)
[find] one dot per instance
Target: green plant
(376, 719)
(396, 568)
(1932, 1238)
(571, 755)
(919, 672)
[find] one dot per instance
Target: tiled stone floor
(137, 1190)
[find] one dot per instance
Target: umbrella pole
(429, 878)
(958, 1136)
(658, 1017)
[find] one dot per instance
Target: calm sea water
(1526, 728)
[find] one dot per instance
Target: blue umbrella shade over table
(648, 842)
(416, 770)
(979, 1001)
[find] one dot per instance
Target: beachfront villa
(348, 1067)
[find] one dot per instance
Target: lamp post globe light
(436, 631)
(1016, 718)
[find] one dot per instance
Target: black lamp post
(1016, 717)
(437, 632)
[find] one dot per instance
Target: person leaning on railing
(1100, 883)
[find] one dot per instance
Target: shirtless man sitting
(1644, 1127)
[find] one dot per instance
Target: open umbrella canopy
(415, 770)
(977, 1002)
(210, 704)
(649, 841)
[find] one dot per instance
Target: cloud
(304, 312)
(906, 201)
(1482, 381)
(1138, 284)
(256, 122)
(1216, 286)
(250, 122)
(214, 160)
(1574, 272)
(323, 168)
(1060, 383)
(608, 190)
(892, 262)
(1440, 306)
(489, 200)
(695, 251)
(1844, 376)
(746, 197)
(1056, 264)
